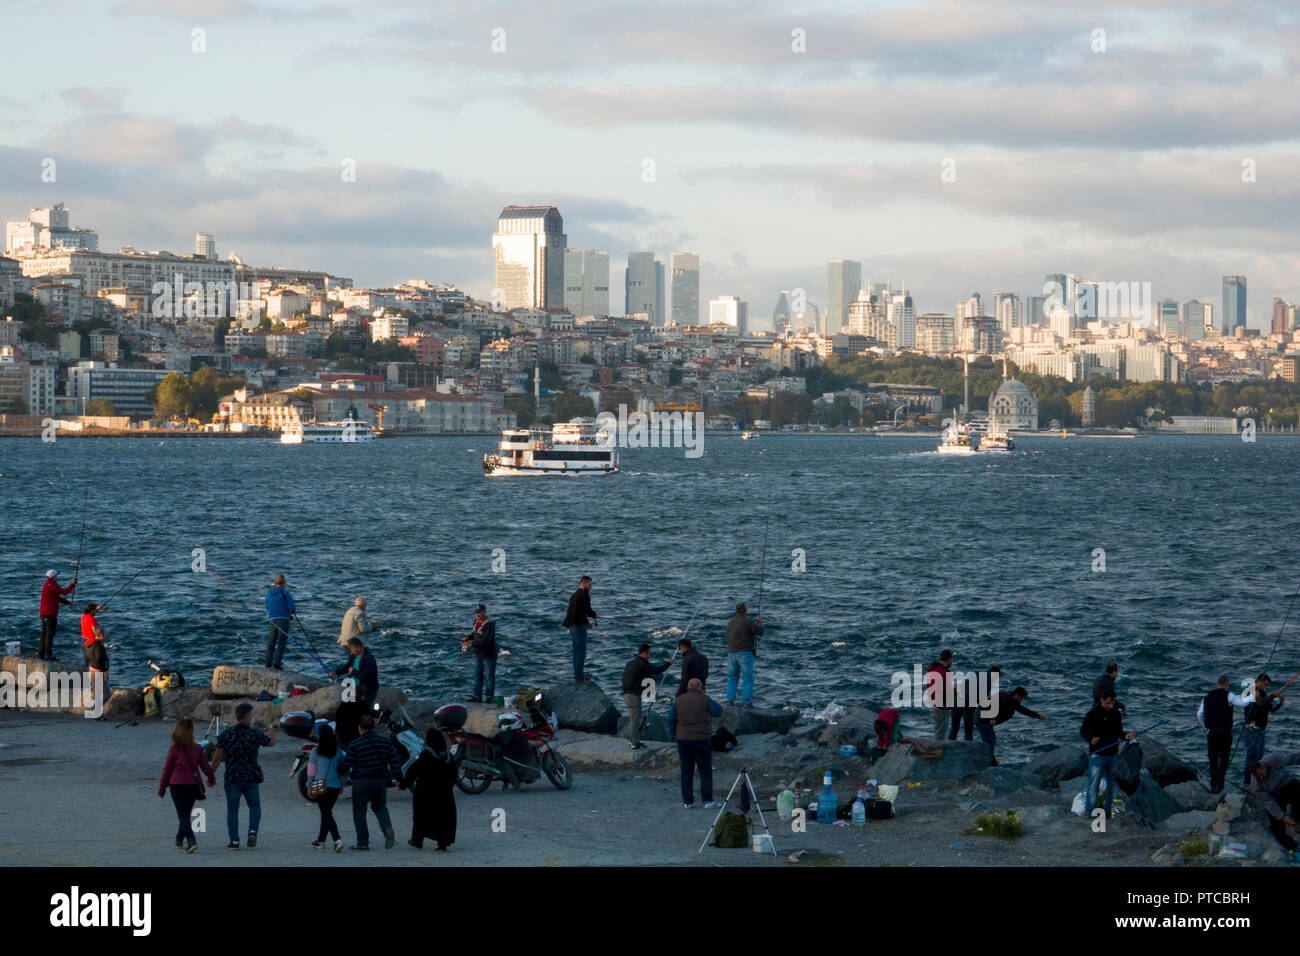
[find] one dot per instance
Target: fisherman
(1008, 705)
(635, 674)
(1267, 779)
(1106, 682)
(1103, 728)
(94, 641)
(361, 667)
(1215, 716)
(1262, 703)
(355, 622)
(690, 720)
(51, 598)
(941, 693)
(575, 619)
(694, 665)
(741, 645)
(240, 745)
(483, 638)
(279, 609)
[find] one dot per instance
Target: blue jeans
(579, 635)
(489, 668)
(1254, 741)
(235, 790)
(1099, 768)
(741, 661)
(370, 793)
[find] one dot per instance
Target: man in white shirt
(1215, 717)
(355, 622)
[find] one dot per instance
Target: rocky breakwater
(60, 687)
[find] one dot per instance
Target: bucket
(848, 750)
(762, 843)
(12, 648)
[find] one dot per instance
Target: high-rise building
(902, 316)
(1006, 309)
(935, 333)
(661, 294)
(205, 245)
(685, 268)
(46, 229)
(1234, 305)
(729, 310)
(1197, 320)
(586, 282)
(1279, 315)
(641, 286)
(529, 249)
(782, 317)
(1168, 322)
(1035, 310)
(1058, 290)
(970, 308)
(843, 281)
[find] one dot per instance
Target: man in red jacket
(51, 598)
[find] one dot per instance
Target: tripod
(749, 786)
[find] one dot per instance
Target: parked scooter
(306, 726)
(517, 753)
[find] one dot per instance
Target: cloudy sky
(1106, 139)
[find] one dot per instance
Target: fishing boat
(956, 440)
(573, 448)
(303, 433)
(996, 441)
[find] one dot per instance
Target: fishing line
(85, 499)
(762, 574)
(419, 594)
(136, 575)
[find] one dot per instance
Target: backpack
(1127, 767)
(528, 698)
(150, 702)
(724, 740)
(731, 832)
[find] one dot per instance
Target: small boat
(305, 433)
(996, 441)
(748, 435)
(956, 440)
(574, 449)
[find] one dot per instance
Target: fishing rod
(85, 499)
(1122, 739)
(672, 656)
(329, 670)
(136, 575)
(762, 574)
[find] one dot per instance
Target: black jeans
(368, 792)
(693, 754)
(1285, 796)
(184, 796)
(49, 623)
(277, 635)
(958, 715)
(1219, 745)
(328, 824)
(987, 733)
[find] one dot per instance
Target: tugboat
(956, 440)
(573, 448)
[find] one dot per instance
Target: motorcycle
(516, 754)
(304, 725)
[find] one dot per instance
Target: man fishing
(51, 598)
(1103, 728)
(94, 641)
(635, 674)
(1106, 683)
(361, 667)
(1008, 705)
(483, 638)
(1262, 703)
(1267, 779)
(1215, 716)
(742, 634)
(355, 622)
(695, 666)
(575, 619)
(279, 610)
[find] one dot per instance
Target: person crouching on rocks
(185, 759)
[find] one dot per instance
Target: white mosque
(1013, 407)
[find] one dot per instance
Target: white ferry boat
(302, 433)
(996, 441)
(956, 440)
(566, 448)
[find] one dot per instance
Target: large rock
(1189, 820)
(479, 719)
(654, 725)
(231, 681)
(852, 727)
(1010, 779)
(58, 687)
(756, 720)
(583, 750)
(1166, 767)
(1149, 802)
(1192, 795)
(581, 707)
(188, 701)
(1230, 807)
(957, 759)
(1063, 763)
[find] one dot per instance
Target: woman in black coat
(432, 779)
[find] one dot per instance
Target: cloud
(95, 98)
(151, 141)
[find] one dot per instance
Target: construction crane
(379, 414)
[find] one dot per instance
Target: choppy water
(906, 552)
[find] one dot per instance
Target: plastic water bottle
(785, 805)
(859, 812)
(827, 803)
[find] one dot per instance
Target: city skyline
(1149, 184)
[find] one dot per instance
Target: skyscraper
(970, 308)
(529, 249)
(661, 294)
(781, 312)
(642, 285)
(1234, 305)
(1198, 319)
(1006, 309)
(1035, 310)
(1279, 315)
(843, 280)
(902, 316)
(729, 310)
(586, 282)
(1167, 319)
(686, 288)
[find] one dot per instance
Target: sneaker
(688, 806)
(180, 842)
(712, 805)
(390, 840)
(316, 844)
(749, 705)
(232, 846)
(338, 846)
(476, 700)
(252, 839)
(731, 703)
(358, 846)
(191, 846)
(636, 746)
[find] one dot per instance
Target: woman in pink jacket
(185, 759)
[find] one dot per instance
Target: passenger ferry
(300, 433)
(996, 441)
(956, 440)
(574, 448)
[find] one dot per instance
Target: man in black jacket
(484, 641)
(1103, 728)
(694, 664)
(1262, 703)
(638, 671)
(1106, 682)
(1008, 705)
(363, 670)
(1215, 715)
(575, 619)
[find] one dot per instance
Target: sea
(866, 555)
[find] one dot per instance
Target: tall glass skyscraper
(1167, 318)
(1234, 304)
(586, 282)
(843, 281)
(529, 249)
(643, 286)
(686, 288)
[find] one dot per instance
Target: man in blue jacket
(279, 609)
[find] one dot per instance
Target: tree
(102, 407)
(522, 406)
(570, 405)
(172, 397)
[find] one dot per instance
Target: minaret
(965, 382)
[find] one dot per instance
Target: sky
(1141, 141)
